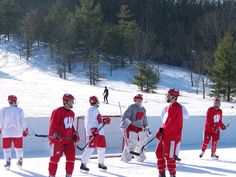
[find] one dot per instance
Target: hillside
(40, 90)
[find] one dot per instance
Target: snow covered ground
(40, 90)
(36, 164)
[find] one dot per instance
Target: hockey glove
(56, 138)
(25, 132)
(147, 131)
(159, 134)
(94, 131)
(76, 137)
(223, 127)
(106, 120)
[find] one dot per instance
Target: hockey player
(94, 130)
(169, 135)
(212, 128)
(13, 129)
(63, 136)
(135, 126)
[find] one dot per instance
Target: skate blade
(84, 171)
(103, 170)
(215, 158)
(7, 168)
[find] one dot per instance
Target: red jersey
(62, 122)
(173, 122)
(213, 120)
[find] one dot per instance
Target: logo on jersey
(68, 122)
(216, 118)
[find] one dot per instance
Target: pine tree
(146, 78)
(88, 27)
(222, 73)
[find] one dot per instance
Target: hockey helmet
(12, 99)
(68, 99)
(93, 100)
(173, 92)
(217, 103)
(138, 96)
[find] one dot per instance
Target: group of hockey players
(63, 136)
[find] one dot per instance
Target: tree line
(198, 35)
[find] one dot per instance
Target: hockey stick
(47, 136)
(228, 124)
(82, 148)
(136, 153)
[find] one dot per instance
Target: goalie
(136, 132)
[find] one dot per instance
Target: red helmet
(12, 99)
(67, 97)
(93, 100)
(138, 96)
(173, 92)
(217, 103)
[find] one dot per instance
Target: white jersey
(92, 121)
(12, 122)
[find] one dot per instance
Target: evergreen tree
(222, 73)
(146, 78)
(127, 29)
(9, 16)
(88, 27)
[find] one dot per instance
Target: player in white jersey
(13, 129)
(95, 135)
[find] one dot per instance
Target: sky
(39, 91)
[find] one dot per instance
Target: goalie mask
(12, 100)
(68, 100)
(138, 99)
(217, 103)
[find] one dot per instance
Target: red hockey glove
(76, 137)
(56, 138)
(106, 120)
(25, 132)
(94, 131)
(223, 127)
(159, 134)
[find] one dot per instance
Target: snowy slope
(39, 89)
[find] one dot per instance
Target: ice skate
(102, 167)
(177, 158)
(214, 156)
(19, 163)
(162, 175)
(83, 168)
(67, 175)
(172, 175)
(201, 155)
(7, 165)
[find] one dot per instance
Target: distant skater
(105, 94)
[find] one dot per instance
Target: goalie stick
(82, 148)
(138, 153)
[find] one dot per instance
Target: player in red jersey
(212, 128)
(63, 136)
(169, 135)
